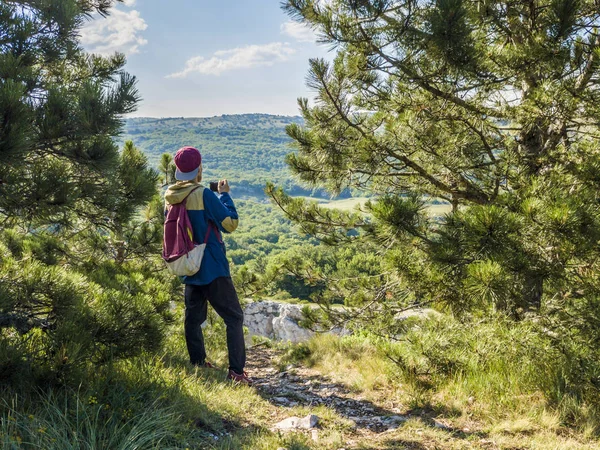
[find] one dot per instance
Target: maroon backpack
(182, 255)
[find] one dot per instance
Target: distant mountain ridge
(248, 149)
(252, 121)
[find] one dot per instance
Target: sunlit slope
(248, 149)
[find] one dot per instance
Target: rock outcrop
(280, 321)
(274, 320)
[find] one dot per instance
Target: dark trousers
(223, 298)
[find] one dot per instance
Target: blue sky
(206, 57)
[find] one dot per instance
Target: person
(209, 215)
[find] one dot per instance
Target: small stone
(291, 423)
(396, 419)
(440, 425)
(314, 435)
(309, 421)
(288, 424)
(280, 400)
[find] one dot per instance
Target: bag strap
(208, 228)
(212, 226)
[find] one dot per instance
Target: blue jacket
(205, 207)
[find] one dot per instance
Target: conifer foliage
(491, 106)
(59, 110)
(76, 213)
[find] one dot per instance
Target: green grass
(495, 380)
(491, 383)
(156, 401)
(75, 421)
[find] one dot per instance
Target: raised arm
(221, 210)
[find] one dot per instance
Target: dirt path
(377, 422)
(301, 386)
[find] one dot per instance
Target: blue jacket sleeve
(221, 210)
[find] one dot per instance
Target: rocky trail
(335, 417)
(367, 420)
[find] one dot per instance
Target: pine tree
(80, 221)
(491, 106)
(167, 168)
(60, 109)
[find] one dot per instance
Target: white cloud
(129, 3)
(237, 58)
(298, 31)
(119, 32)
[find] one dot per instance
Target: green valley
(248, 149)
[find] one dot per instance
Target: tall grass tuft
(72, 422)
(493, 370)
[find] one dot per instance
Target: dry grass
(164, 403)
(526, 424)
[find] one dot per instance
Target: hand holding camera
(219, 186)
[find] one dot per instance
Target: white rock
(276, 320)
(309, 421)
(292, 423)
(288, 424)
(280, 321)
(286, 328)
(440, 425)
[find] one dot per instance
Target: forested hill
(248, 149)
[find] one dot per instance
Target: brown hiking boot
(240, 379)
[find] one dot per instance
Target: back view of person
(210, 215)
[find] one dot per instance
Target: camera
(214, 186)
